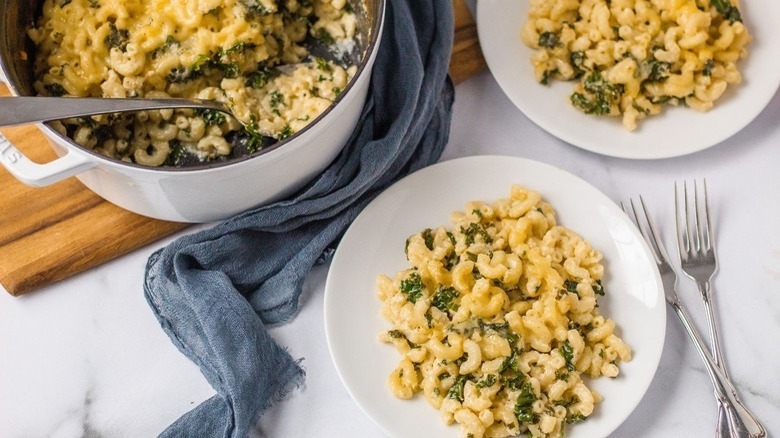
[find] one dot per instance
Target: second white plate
(374, 245)
(677, 131)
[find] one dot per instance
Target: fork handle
(726, 422)
(726, 418)
(744, 422)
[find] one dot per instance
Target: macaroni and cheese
(248, 54)
(497, 320)
(630, 57)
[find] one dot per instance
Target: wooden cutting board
(48, 234)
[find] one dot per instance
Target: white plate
(677, 131)
(374, 245)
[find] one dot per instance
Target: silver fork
(696, 246)
(724, 389)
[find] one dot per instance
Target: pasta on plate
(497, 320)
(631, 57)
(248, 54)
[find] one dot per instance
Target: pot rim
(371, 50)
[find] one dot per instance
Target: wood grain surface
(48, 234)
(467, 59)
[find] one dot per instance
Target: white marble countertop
(86, 358)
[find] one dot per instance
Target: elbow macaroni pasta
(248, 54)
(497, 320)
(630, 57)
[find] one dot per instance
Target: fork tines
(694, 235)
(653, 238)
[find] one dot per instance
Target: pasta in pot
(248, 54)
(631, 57)
(497, 320)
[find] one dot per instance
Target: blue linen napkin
(215, 291)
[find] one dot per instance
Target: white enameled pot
(209, 193)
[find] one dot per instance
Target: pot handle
(40, 175)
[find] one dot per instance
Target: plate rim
(327, 304)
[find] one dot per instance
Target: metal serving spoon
(16, 111)
(25, 110)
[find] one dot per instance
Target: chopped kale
(499, 327)
(117, 38)
(576, 418)
(452, 238)
(88, 121)
(599, 97)
(256, 140)
(230, 69)
(237, 47)
(429, 319)
(661, 99)
(101, 133)
(285, 132)
(548, 40)
(205, 64)
(547, 75)
(169, 43)
(55, 89)
(223, 60)
(560, 375)
(262, 77)
(511, 377)
(444, 297)
(255, 9)
(510, 363)
(323, 65)
(474, 230)
(577, 60)
(396, 334)
(180, 74)
(658, 71)
(568, 353)
(452, 259)
(487, 382)
(571, 286)
(708, 66)
(178, 152)
(201, 63)
(324, 36)
(456, 390)
(729, 11)
(211, 117)
(427, 236)
(412, 287)
(640, 108)
(524, 406)
(598, 289)
(276, 99)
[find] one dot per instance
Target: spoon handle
(26, 110)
